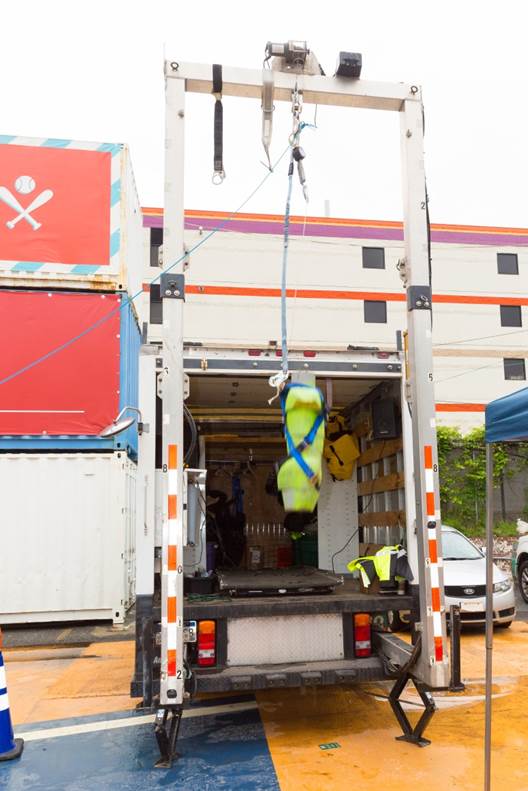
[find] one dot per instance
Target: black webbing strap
(218, 175)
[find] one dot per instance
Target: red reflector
(278, 353)
(383, 355)
(439, 649)
(206, 643)
(254, 352)
(362, 642)
(309, 354)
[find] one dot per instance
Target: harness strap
(295, 451)
(218, 160)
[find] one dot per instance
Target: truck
(209, 442)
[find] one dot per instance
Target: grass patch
(500, 529)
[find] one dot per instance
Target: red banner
(54, 205)
(75, 391)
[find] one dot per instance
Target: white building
(345, 289)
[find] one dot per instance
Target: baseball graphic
(24, 185)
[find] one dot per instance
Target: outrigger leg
(166, 729)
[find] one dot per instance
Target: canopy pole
(489, 614)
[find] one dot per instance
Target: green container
(305, 551)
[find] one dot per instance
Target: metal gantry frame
(424, 537)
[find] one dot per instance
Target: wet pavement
(82, 732)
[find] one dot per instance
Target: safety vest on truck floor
(388, 564)
(299, 476)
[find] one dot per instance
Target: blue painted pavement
(218, 751)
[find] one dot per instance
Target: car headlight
(502, 587)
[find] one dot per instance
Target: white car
(465, 581)
(520, 566)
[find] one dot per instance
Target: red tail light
(362, 642)
(254, 352)
(206, 643)
(309, 353)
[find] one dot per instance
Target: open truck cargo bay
(278, 620)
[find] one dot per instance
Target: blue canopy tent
(506, 421)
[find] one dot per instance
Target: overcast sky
(94, 71)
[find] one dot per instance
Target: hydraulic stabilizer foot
(166, 729)
(410, 734)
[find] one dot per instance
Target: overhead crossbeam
(335, 91)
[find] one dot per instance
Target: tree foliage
(462, 471)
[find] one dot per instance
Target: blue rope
(284, 325)
(129, 300)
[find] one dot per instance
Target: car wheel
(523, 579)
(504, 625)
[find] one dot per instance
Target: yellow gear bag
(341, 449)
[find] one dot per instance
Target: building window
(373, 257)
(156, 240)
(514, 368)
(156, 305)
(507, 264)
(375, 311)
(510, 316)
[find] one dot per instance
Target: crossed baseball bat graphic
(24, 214)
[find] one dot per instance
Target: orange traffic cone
(9, 746)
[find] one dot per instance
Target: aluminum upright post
(172, 293)
(432, 666)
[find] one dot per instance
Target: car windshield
(455, 546)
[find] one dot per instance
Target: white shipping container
(67, 537)
(86, 227)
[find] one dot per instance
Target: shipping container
(69, 215)
(68, 536)
(69, 364)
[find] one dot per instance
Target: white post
(432, 665)
(172, 685)
(146, 468)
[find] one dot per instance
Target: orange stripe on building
(433, 551)
(156, 211)
(171, 609)
(435, 599)
(172, 457)
(173, 506)
(172, 557)
(171, 662)
(428, 457)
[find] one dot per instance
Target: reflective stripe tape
(172, 506)
(3, 682)
(432, 545)
(171, 663)
(4, 702)
(172, 557)
(433, 551)
(429, 479)
(172, 457)
(171, 609)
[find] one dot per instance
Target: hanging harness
(299, 475)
